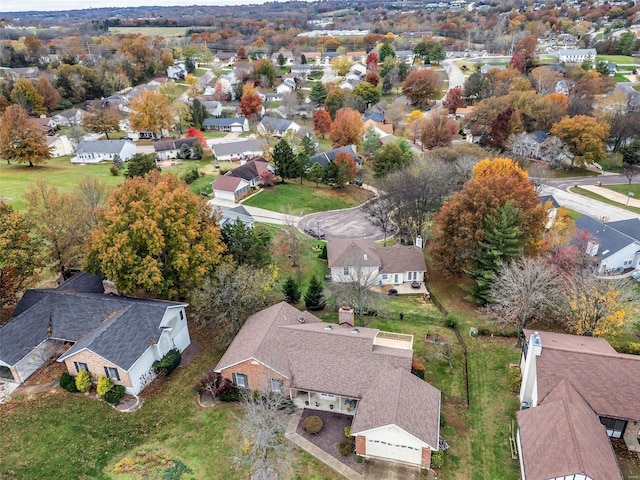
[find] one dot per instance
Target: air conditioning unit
(301, 319)
(525, 405)
(473, 332)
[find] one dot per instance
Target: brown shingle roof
(227, 183)
(607, 380)
(563, 436)
(401, 258)
(251, 169)
(343, 253)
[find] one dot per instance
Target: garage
(394, 451)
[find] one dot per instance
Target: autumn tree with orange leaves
(321, 122)
(250, 103)
(150, 112)
(461, 221)
(21, 138)
(154, 234)
(347, 128)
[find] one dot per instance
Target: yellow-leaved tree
(150, 112)
(154, 234)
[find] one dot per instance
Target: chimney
(345, 315)
(110, 287)
(529, 385)
(418, 241)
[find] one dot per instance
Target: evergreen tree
(185, 151)
(314, 298)
(503, 242)
(285, 160)
(291, 290)
(196, 151)
(198, 113)
(141, 164)
(318, 93)
(315, 173)
(308, 146)
(303, 59)
(386, 50)
(247, 245)
(302, 164)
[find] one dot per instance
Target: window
(112, 373)
(628, 261)
(80, 366)
(181, 315)
(615, 427)
(384, 276)
(240, 380)
(275, 385)
(346, 271)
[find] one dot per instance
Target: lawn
(619, 59)
(152, 31)
(600, 198)
(198, 72)
(625, 189)
(307, 198)
(214, 134)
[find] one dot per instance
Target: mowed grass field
(152, 31)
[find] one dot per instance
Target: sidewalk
(318, 453)
(614, 196)
(259, 214)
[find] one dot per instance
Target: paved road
(456, 76)
(342, 224)
(587, 206)
(259, 214)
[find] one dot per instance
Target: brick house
(106, 334)
(576, 391)
(360, 372)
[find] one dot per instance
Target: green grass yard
(600, 198)
(307, 198)
(619, 59)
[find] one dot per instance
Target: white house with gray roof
(277, 127)
(237, 150)
(615, 246)
(119, 337)
(96, 151)
(360, 372)
(238, 124)
(576, 55)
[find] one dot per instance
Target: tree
(250, 103)
(595, 306)
(140, 164)
(505, 124)
(104, 385)
(291, 290)
(585, 137)
(373, 78)
(284, 160)
(20, 257)
(198, 113)
(247, 245)
(347, 128)
(421, 86)
(102, 120)
(315, 173)
(335, 101)
(263, 69)
(341, 65)
(370, 143)
(308, 146)
(321, 122)
(437, 53)
(26, 95)
(318, 93)
(193, 132)
(367, 94)
(225, 298)
(346, 169)
(454, 100)
(356, 291)
(437, 131)
(372, 61)
(626, 43)
(155, 234)
(281, 60)
(266, 451)
(389, 158)
(379, 212)
(150, 112)
(386, 50)
(84, 382)
(50, 96)
(630, 172)
(460, 223)
(523, 290)
(20, 138)
(544, 80)
(314, 297)
(502, 243)
(166, 58)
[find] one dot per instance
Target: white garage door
(404, 453)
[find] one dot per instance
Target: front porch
(324, 401)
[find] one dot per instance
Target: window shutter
(106, 372)
(234, 378)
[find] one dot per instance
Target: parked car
(636, 275)
(357, 183)
(393, 292)
(314, 232)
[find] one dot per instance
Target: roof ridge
(614, 354)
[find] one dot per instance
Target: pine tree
(285, 160)
(314, 298)
(503, 242)
(291, 290)
(318, 93)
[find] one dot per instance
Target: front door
(396, 279)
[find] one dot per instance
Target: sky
(48, 5)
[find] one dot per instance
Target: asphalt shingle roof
(609, 238)
(236, 148)
(101, 146)
(325, 158)
(175, 144)
(223, 122)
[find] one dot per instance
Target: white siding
(224, 195)
(618, 259)
(141, 372)
(393, 443)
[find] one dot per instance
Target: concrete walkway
(318, 453)
(588, 206)
(611, 195)
(259, 214)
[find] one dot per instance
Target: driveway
(381, 470)
(259, 214)
(587, 206)
(343, 225)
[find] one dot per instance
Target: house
(119, 337)
(166, 149)
(576, 391)
(462, 112)
(363, 261)
(612, 68)
(614, 245)
(289, 58)
(177, 72)
(287, 86)
(46, 125)
(213, 107)
(486, 68)
(313, 57)
(301, 70)
(251, 171)
(96, 151)
(59, 146)
(352, 371)
(277, 127)
(226, 124)
(236, 151)
(225, 57)
(325, 158)
(13, 74)
(406, 56)
(235, 214)
(230, 188)
(528, 144)
(69, 118)
(380, 128)
(577, 55)
(350, 83)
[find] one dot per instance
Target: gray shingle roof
(610, 239)
(223, 122)
(275, 124)
(101, 146)
(174, 144)
(236, 213)
(396, 259)
(119, 329)
(325, 158)
(237, 148)
(562, 436)
(630, 227)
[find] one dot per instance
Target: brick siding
(361, 445)
(96, 365)
(426, 457)
(258, 375)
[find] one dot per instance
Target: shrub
(312, 424)
(104, 385)
(84, 382)
(68, 382)
(358, 459)
(515, 378)
(222, 171)
(443, 420)
(232, 395)
(115, 394)
(451, 321)
(347, 431)
(115, 171)
(347, 446)
(632, 348)
(323, 252)
(168, 363)
(191, 176)
(437, 459)
(418, 373)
